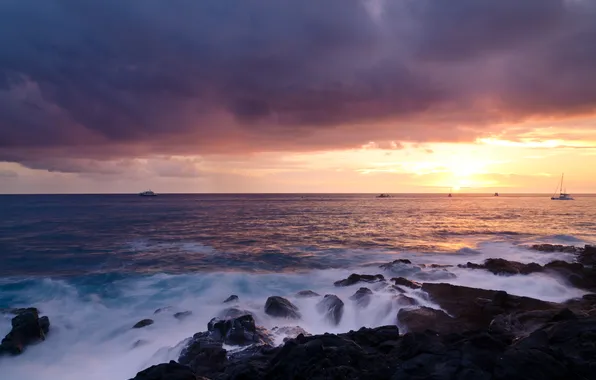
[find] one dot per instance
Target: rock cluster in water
(27, 328)
(473, 334)
(476, 334)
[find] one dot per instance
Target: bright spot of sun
(456, 188)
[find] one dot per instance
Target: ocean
(97, 264)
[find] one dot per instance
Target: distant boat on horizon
(496, 194)
(384, 196)
(147, 193)
(563, 195)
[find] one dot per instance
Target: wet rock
(476, 308)
(232, 298)
(398, 261)
(240, 331)
(203, 354)
(588, 255)
(27, 328)
(555, 248)
(426, 318)
(163, 309)
(233, 312)
(143, 323)
(332, 307)
(403, 300)
(362, 297)
(563, 350)
(400, 281)
(520, 324)
(167, 371)
(282, 308)
(307, 294)
(502, 266)
(289, 332)
(182, 314)
(356, 278)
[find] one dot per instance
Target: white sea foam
(91, 335)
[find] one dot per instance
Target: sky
(112, 96)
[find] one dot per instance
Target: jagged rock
(502, 266)
(476, 308)
(182, 314)
(562, 349)
(356, 278)
(403, 300)
(27, 328)
(394, 263)
(555, 248)
(240, 331)
(521, 324)
(203, 354)
(588, 255)
(167, 371)
(307, 294)
(232, 298)
(405, 282)
(426, 318)
(559, 350)
(362, 297)
(290, 332)
(233, 312)
(282, 308)
(332, 307)
(143, 323)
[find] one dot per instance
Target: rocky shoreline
(472, 334)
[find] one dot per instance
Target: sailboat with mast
(563, 195)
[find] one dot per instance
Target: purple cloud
(117, 79)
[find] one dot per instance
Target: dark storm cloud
(113, 78)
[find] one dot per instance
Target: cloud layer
(115, 79)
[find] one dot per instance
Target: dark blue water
(98, 263)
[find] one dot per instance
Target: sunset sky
(297, 96)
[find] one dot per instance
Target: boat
(147, 193)
(496, 194)
(563, 195)
(449, 195)
(384, 196)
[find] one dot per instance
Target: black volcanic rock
(588, 255)
(282, 308)
(240, 331)
(332, 307)
(356, 278)
(563, 348)
(556, 248)
(182, 314)
(362, 297)
(167, 371)
(233, 312)
(143, 323)
(307, 294)
(395, 263)
(403, 300)
(476, 308)
(232, 298)
(400, 281)
(290, 332)
(426, 318)
(27, 328)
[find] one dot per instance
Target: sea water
(97, 264)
